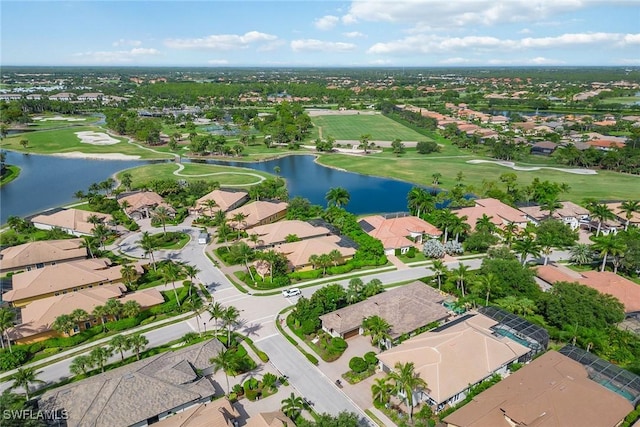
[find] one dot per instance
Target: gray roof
(405, 308)
(138, 391)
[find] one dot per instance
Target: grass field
(11, 173)
(621, 100)
(352, 127)
(605, 185)
(225, 175)
(65, 140)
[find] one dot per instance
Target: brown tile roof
(258, 211)
(454, 358)
(218, 413)
(405, 308)
(615, 208)
(44, 251)
(298, 253)
(270, 419)
(568, 210)
(392, 232)
(132, 393)
(224, 200)
(71, 219)
(278, 231)
(55, 278)
(552, 391)
(144, 200)
(605, 143)
(501, 213)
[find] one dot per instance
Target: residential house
(10, 96)
(544, 148)
(257, 213)
(90, 97)
(71, 221)
(142, 204)
(38, 316)
(225, 201)
(34, 96)
(553, 391)
(616, 208)
(605, 144)
(299, 253)
(466, 351)
(270, 419)
(62, 96)
(501, 214)
(606, 282)
(141, 393)
(398, 232)
(278, 232)
(33, 255)
(570, 213)
(59, 279)
(406, 308)
(218, 413)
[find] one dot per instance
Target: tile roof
(298, 253)
(132, 393)
(218, 413)
(406, 308)
(451, 359)
(270, 419)
(54, 278)
(71, 219)
(568, 210)
(258, 211)
(278, 231)
(144, 199)
(44, 251)
(617, 210)
(224, 199)
(500, 213)
(551, 391)
(392, 232)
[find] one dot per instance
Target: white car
(291, 292)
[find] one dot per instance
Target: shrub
(411, 253)
(338, 344)
(453, 248)
(311, 358)
(371, 358)
(305, 275)
(341, 269)
(426, 147)
(358, 364)
(251, 384)
(10, 361)
(252, 394)
(433, 249)
(238, 389)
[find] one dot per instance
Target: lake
(48, 181)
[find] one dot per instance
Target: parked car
(291, 292)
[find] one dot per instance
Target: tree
(521, 306)
(242, 251)
(162, 214)
(551, 204)
(230, 319)
(24, 378)
(292, 406)
(210, 203)
(126, 180)
(407, 381)
(138, 343)
(439, 269)
(129, 274)
(120, 343)
(239, 220)
(99, 356)
(101, 233)
(581, 253)
(484, 224)
(377, 328)
(629, 207)
(459, 275)
(601, 213)
(226, 361)
(435, 178)
(63, 324)
(216, 312)
(7, 319)
(397, 147)
(509, 232)
(170, 273)
(337, 196)
(79, 315)
(131, 308)
(607, 245)
(485, 283)
(365, 143)
(381, 391)
(113, 308)
(24, 143)
(100, 311)
(420, 201)
(525, 247)
(192, 272)
(80, 365)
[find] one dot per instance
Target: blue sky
(321, 33)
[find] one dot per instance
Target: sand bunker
(59, 118)
(96, 138)
(98, 156)
(533, 168)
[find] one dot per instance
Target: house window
(29, 268)
(87, 325)
(76, 329)
(64, 292)
(56, 294)
(75, 289)
(53, 263)
(40, 265)
(90, 286)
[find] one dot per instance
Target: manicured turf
(606, 185)
(65, 140)
(352, 127)
(225, 175)
(11, 173)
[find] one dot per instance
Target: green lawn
(10, 174)
(65, 140)
(225, 175)
(621, 100)
(378, 126)
(605, 185)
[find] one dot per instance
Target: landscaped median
(310, 357)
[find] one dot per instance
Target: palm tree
(220, 218)
(601, 213)
(335, 256)
(629, 207)
(89, 243)
(378, 328)
(354, 290)
(551, 204)
(99, 356)
(148, 245)
(407, 380)
(7, 319)
(101, 312)
(230, 319)
(255, 239)
(192, 272)
(24, 377)
(509, 232)
(79, 315)
(101, 233)
(292, 406)
(113, 308)
(435, 178)
(459, 275)
(125, 205)
(210, 203)
(381, 390)
(244, 252)
(63, 324)
(324, 261)
(337, 196)
(138, 343)
(525, 247)
(609, 245)
(128, 273)
(95, 219)
(170, 273)
(80, 365)
(126, 180)
(581, 253)
(484, 224)
(216, 312)
(365, 143)
(513, 304)
(226, 361)
(120, 343)
(373, 287)
(239, 220)
(162, 214)
(444, 219)
(131, 308)
(439, 269)
(487, 282)
(419, 201)
(459, 226)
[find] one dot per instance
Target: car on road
(291, 292)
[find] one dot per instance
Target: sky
(321, 33)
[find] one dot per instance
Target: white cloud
(526, 61)
(380, 62)
(125, 42)
(524, 31)
(217, 62)
(349, 19)
(116, 57)
(456, 60)
(313, 45)
(222, 41)
(327, 22)
(353, 34)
